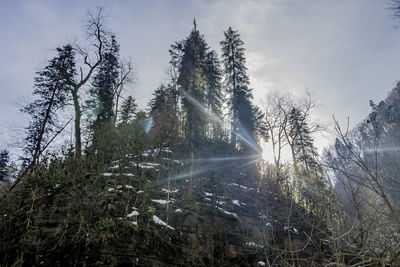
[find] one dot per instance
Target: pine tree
(128, 110)
(241, 110)
(189, 57)
(104, 84)
(213, 94)
(159, 99)
(4, 160)
(304, 151)
(51, 85)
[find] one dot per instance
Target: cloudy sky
(346, 52)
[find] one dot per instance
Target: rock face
(157, 214)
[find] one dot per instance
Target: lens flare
(149, 124)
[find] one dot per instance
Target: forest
(183, 182)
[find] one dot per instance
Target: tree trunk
(78, 114)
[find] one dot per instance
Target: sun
(267, 154)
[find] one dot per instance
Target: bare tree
(126, 76)
(278, 107)
(96, 32)
(276, 122)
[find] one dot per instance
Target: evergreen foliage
(241, 110)
(104, 84)
(304, 149)
(4, 161)
(128, 110)
(189, 56)
(51, 86)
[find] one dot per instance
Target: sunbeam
(244, 136)
(220, 159)
(211, 167)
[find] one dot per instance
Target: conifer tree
(159, 99)
(104, 84)
(128, 110)
(4, 159)
(241, 110)
(51, 85)
(189, 57)
(303, 149)
(213, 94)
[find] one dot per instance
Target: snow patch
(208, 194)
(107, 174)
(253, 245)
(161, 201)
(178, 211)
(133, 213)
(261, 263)
(227, 212)
(161, 222)
(170, 191)
(236, 202)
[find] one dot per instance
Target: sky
(345, 52)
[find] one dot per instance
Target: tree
(128, 110)
(96, 32)
(4, 160)
(241, 110)
(304, 151)
(275, 121)
(104, 84)
(189, 57)
(158, 102)
(51, 85)
(213, 93)
(126, 76)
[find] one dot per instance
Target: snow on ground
(129, 174)
(140, 192)
(261, 263)
(129, 186)
(207, 199)
(294, 230)
(252, 244)
(178, 210)
(161, 201)
(170, 191)
(148, 165)
(242, 186)
(236, 202)
(133, 213)
(107, 174)
(161, 222)
(134, 223)
(208, 194)
(227, 212)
